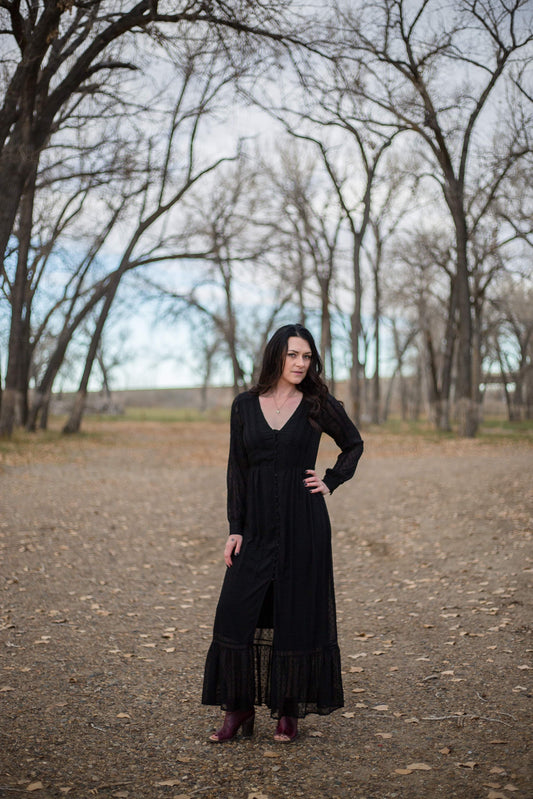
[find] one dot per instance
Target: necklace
(278, 410)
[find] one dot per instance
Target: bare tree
(394, 199)
(397, 55)
(70, 56)
(424, 282)
(150, 241)
(230, 224)
(308, 220)
(513, 343)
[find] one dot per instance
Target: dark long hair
(312, 386)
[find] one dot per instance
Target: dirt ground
(111, 547)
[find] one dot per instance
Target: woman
(275, 638)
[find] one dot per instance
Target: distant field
(394, 436)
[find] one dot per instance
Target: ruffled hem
(289, 683)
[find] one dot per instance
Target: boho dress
(275, 634)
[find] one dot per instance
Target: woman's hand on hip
(314, 483)
(233, 545)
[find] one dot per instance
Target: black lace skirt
(256, 672)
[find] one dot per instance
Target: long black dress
(275, 635)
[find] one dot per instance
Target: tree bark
(325, 330)
(466, 407)
(73, 423)
(43, 392)
(14, 409)
(355, 334)
(444, 422)
(376, 382)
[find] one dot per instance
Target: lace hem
(289, 683)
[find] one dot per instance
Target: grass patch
(419, 428)
(503, 430)
(492, 429)
(167, 415)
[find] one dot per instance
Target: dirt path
(111, 548)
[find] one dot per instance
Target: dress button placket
(277, 513)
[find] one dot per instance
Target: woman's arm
(336, 423)
(237, 473)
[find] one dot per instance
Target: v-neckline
(283, 426)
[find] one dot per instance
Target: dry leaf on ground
(170, 783)
(419, 767)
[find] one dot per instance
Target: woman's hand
(314, 483)
(233, 544)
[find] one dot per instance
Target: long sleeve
(237, 474)
(336, 423)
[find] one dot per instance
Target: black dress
(275, 634)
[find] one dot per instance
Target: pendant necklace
(278, 410)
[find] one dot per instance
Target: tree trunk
(388, 396)
(325, 329)
(355, 334)
(477, 356)
(443, 422)
(15, 406)
(508, 399)
(73, 423)
(434, 394)
(45, 409)
(529, 391)
(376, 385)
(43, 393)
(13, 176)
(467, 411)
(403, 396)
(417, 393)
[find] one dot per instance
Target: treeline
(365, 168)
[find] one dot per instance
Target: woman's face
(297, 361)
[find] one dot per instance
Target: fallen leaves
(413, 767)
(115, 643)
(170, 783)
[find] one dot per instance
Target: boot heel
(248, 727)
(233, 721)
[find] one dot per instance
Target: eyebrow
(304, 352)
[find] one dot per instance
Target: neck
(284, 389)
